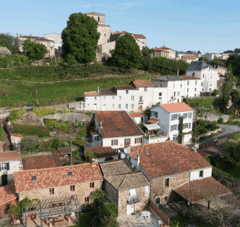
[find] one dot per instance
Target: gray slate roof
(198, 65)
(169, 78)
(107, 92)
(128, 181)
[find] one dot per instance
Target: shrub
(215, 92)
(64, 110)
(2, 133)
(220, 120)
(56, 143)
(235, 136)
(44, 111)
(27, 144)
(16, 114)
(31, 130)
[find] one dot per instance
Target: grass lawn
(183, 222)
(21, 93)
(200, 102)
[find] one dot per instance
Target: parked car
(28, 107)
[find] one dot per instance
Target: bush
(29, 130)
(2, 133)
(27, 144)
(16, 114)
(63, 126)
(235, 136)
(44, 111)
(215, 92)
(220, 120)
(64, 110)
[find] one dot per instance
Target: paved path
(228, 130)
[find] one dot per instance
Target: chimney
(193, 74)
(94, 163)
(149, 79)
(138, 162)
(20, 34)
(100, 124)
(98, 89)
(177, 72)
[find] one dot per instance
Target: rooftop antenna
(92, 7)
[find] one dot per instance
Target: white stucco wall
(194, 175)
(56, 38)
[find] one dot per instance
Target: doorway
(4, 180)
(130, 209)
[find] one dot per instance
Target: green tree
(34, 51)
(235, 94)
(80, 39)
(9, 41)
(233, 152)
(147, 59)
(108, 211)
(127, 54)
(27, 144)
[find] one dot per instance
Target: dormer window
(69, 174)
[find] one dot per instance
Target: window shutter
(171, 127)
(172, 117)
(112, 142)
(156, 114)
(8, 166)
(135, 140)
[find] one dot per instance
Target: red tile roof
(41, 162)
(190, 57)
(117, 124)
(9, 156)
(91, 93)
(142, 83)
(125, 87)
(36, 38)
(101, 151)
(17, 135)
(139, 36)
(163, 157)
(153, 121)
(176, 107)
(197, 190)
(56, 177)
(137, 114)
(7, 193)
(190, 78)
(163, 48)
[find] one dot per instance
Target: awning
(133, 200)
(152, 126)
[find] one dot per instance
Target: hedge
(31, 130)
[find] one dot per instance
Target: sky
(205, 25)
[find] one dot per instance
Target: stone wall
(3, 207)
(158, 189)
(111, 192)
(214, 116)
(209, 133)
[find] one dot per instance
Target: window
(178, 93)
(154, 114)
(174, 117)
(195, 82)
(126, 91)
(48, 44)
(132, 192)
(184, 115)
(141, 98)
(92, 185)
(98, 18)
(120, 97)
(104, 97)
(188, 83)
(160, 94)
(69, 174)
(180, 85)
(132, 97)
(126, 106)
(33, 178)
(210, 89)
(195, 89)
(95, 98)
(4, 166)
(203, 89)
(145, 88)
(147, 191)
(189, 115)
(201, 83)
(166, 182)
(138, 140)
(113, 97)
(165, 198)
(188, 90)
(160, 85)
(114, 142)
(112, 105)
(132, 106)
(203, 76)
(174, 94)
(210, 84)
(127, 141)
(211, 76)
(186, 125)
(72, 188)
(174, 127)
(173, 85)
(119, 106)
(109, 51)
(51, 191)
(201, 173)
(48, 53)
(86, 199)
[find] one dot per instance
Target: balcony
(93, 143)
(140, 101)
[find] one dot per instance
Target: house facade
(208, 75)
(57, 40)
(10, 162)
(164, 52)
(59, 181)
(169, 119)
(211, 56)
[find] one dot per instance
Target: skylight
(176, 165)
(69, 174)
(33, 178)
(148, 154)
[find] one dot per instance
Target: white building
(114, 129)
(169, 119)
(208, 75)
(56, 38)
(211, 56)
(10, 161)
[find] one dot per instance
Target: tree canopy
(9, 41)
(34, 51)
(127, 54)
(80, 39)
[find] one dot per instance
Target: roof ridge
(122, 181)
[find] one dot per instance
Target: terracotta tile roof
(138, 114)
(91, 93)
(56, 177)
(101, 151)
(95, 13)
(163, 48)
(63, 151)
(162, 157)
(125, 87)
(190, 78)
(176, 107)
(36, 38)
(116, 168)
(128, 181)
(7, 193)
(160, 49)
(153, 121)
(189, 57)
(41, 162)
(139, 36)
(9, 156)
(117, 124)
(197, 190)
(17, 135)
(142, 83)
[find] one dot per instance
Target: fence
(160, 213)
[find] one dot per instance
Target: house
(57, 41)
(169, 119)
(129, 189)
(164, 52)
(189, 58)
(41, 162)
(79, 180)
(114, 129)
(8, 197)
(101, 154)
(10, 162)
(224, 56)
(211, 56)
(46, 42)
(208, 75)
(172, 170)
(181, 54)
(135, 97)
(139, 117)
(16, 139)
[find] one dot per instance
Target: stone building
(57, 41)
(129, 189)
(10, 162)
(164, 52)
(59, 181)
